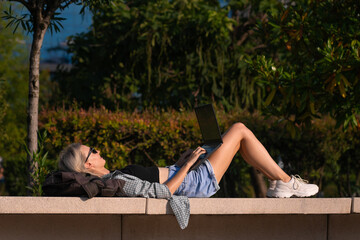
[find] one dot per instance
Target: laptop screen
(208, 124)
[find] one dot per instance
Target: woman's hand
(189, 158)
(195, 155)
(184, 157)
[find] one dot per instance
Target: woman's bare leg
(240, 138)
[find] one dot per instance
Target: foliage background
(311, 63)
(143, 65)
(13, 95)
(13, 100)
(165, 54)
(158, 138)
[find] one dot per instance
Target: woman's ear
(88, 165)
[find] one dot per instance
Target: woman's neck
(100, 172)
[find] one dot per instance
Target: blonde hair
(71, 159)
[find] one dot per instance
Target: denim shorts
(198, 183)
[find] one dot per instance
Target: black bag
(61, 183)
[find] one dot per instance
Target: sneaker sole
(308, 194)
(286, 194)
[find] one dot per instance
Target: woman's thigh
(222, 157)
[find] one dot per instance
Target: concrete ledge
(71, 205)
(211, 218)
(356, 205)
(257, 206)
(223, 206)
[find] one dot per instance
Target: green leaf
(354, 121)
(291, 129)
(270, 97)
(312, 107)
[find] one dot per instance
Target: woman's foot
(295, 187)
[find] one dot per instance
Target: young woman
(202, 182)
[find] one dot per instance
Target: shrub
(322, 154)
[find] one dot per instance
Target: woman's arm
(183, 158)
(175, 182)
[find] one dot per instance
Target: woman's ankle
(286, 179)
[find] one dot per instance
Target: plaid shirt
(135, 187)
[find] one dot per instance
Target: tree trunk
(34, 84)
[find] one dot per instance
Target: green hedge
(322, 154)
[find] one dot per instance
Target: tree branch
(67, 4)
(23, 2)
(244, 37)
(51, 7)
(257, 47)
(148, 156)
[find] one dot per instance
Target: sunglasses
(92, 150)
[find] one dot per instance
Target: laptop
(210, 131)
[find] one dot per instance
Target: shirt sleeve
(180, 206)
(135, 187)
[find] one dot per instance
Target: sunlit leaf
(342, 89)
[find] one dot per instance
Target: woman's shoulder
(120, 175)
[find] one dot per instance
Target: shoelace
(298, 181)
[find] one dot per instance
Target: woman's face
(95, 160)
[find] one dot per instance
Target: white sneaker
(295, 187)
(271, 189)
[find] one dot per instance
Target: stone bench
(211, 218)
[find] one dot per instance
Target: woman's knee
(239, 126)
(240, 129)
